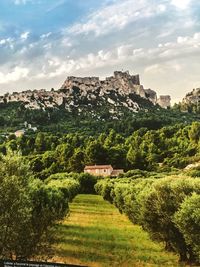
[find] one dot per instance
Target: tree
(40, 143)
(159, 206)
(194, 132)
(29, 208)
(15, 203)
(187, 219)
(76, 162)
(96, 153)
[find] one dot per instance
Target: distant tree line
(169, 147)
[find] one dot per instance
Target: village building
(19, 133)
(102, 170)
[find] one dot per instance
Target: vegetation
(151, 150)
(96, 234)
(41, 173)
(90, 121)
(29, 208)
(166, 208)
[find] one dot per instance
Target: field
(96, 234)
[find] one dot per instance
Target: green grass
(96, 234)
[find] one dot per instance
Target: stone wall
(164, 101)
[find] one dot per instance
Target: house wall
(99, 172)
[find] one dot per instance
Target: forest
(42, 172)
(171, 147)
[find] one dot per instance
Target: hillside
(90, 105)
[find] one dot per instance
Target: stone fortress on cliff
(121, 82)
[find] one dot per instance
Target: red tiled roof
(94, 167)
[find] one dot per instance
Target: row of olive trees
(29, 208)
(168, 209)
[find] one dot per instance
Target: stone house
(102, 170)
(19, 133)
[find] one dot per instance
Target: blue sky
(44, 41)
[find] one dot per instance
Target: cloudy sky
(44, 41)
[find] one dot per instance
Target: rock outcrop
(122, 82)
(192, 97)
(164, 101)
(121, 90)
(191, 102)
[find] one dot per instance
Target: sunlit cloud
(182, 4)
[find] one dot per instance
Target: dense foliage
(169, 147)
(167, 208)
(29, 208)
(94, 120)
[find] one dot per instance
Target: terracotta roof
(94, 167)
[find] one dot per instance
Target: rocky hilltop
(191, 102)
(122, 82)
(192, 97)
(121, 90)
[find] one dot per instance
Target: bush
(86, 181)
(155, 204)
(159, 207)
(29, 208)
(187, 219)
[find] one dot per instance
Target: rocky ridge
(192, 97)
(191, 102)
(121, 90)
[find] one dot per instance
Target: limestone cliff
(80, 94)
(192, 97)
(191, 102)
(164, 101)
(122, 82)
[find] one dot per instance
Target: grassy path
(96, 234)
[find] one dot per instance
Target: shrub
(187, 219)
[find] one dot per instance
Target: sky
(44, 41)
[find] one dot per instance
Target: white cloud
(154, 69)
(45, 35)
(9, 42)
(17, 74)
(21, 2)
(24, 36)
(116, 17)
(163, 68)
(155, 60)
(5, 41)
(182, 4)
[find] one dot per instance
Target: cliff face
(164, 101)
(192, 97)
(122, 82)
(191, 102)
(121, 90)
